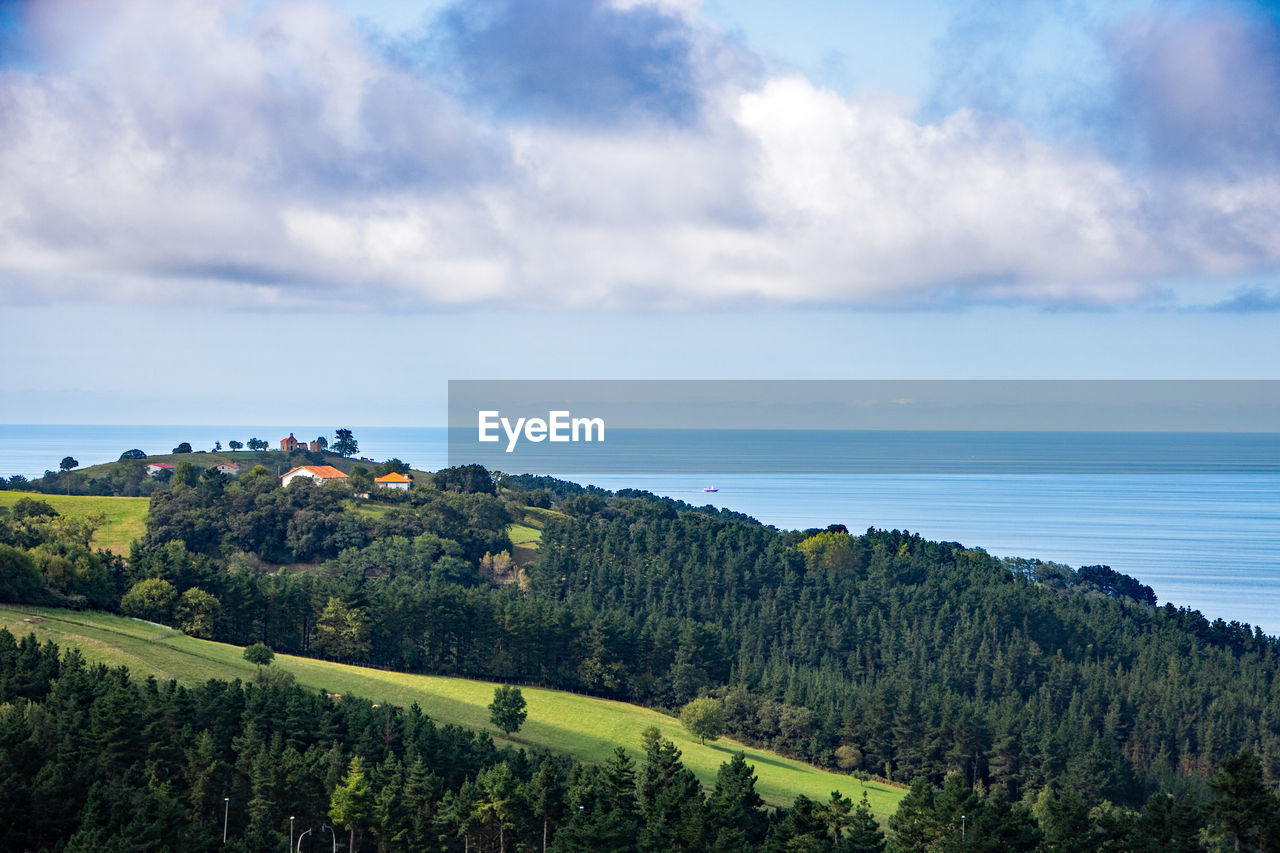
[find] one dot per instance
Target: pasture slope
(125, 518)
(584, 727)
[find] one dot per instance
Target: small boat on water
(710, 489)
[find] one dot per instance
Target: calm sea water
(1205, 540)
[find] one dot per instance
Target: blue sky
(315, 212)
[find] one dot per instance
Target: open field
(584, 727)
(126, 517)
(522, 534)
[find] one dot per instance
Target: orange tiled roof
(393, 477)
(323, 472)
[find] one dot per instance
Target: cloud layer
(587, 153)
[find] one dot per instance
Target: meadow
(126, 518)
(585, 727)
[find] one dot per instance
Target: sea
(1203, 534)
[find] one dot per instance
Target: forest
(1053, 697)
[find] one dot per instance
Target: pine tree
(736, 815)
(351, 800)
(1242, 804)
(670, 799)
(865, 835)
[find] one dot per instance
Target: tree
(342, 631)
(498, 800)
(545, 795)
(360, 480)
(507, 710)
(186, 474)
(235, 445)
(68, 463)
(704, 718)
(217, 446)
(322, 442)
(465, 478)
(197, 611)
(1241, 802)
(351, 799)
(864, 834)
(914, 824)
(836, 813)
(670, 799)
(393, 466)
(736, 816)
(345, 443)
(257, 444)
(184, 447)
(259, 654)
(135, 453)
(150, 599)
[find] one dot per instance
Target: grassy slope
(126, 517)
(522, 534)
(584, 727)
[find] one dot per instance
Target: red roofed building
(321, 474)
(288, 445)
(155, 468)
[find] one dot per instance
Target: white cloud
(267, 155)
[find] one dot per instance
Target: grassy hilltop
(581, 726)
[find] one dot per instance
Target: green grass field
(126, 517)
(522, 534)
(581, 726)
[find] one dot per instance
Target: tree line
(92, 760)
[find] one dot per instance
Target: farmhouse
(154, 469)
(231, 469)
(394, 480)
(321, 474)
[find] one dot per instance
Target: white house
(321, 474)
(155, 468)
(400, 482)
(231, 469)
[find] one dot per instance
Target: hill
(583, 727)
(128, 477)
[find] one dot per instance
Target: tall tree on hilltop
(344, 443)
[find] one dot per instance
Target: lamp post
(300, 837)
(333, 834)
(226, 811)
(290, 832)
(962, 827)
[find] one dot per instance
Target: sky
(313, 211)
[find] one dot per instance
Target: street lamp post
(290, 832)
(333, 834)
(226, 811)
(300, 837)
(962, 827)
